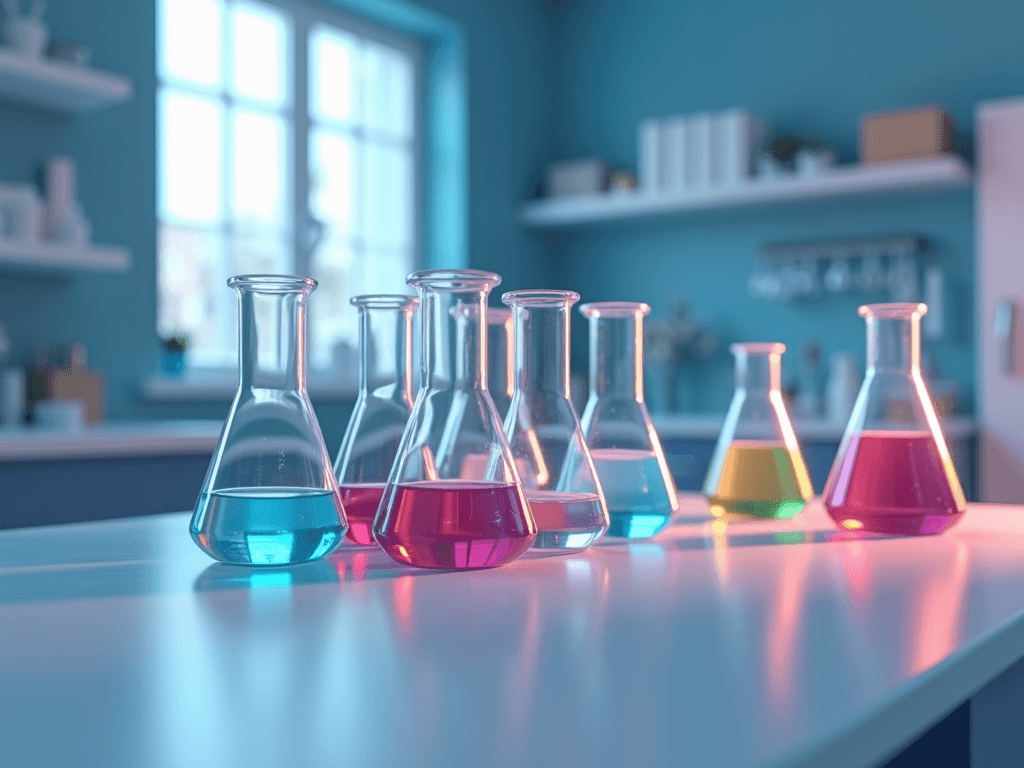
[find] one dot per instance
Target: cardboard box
(906, 134)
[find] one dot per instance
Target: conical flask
(453, 498)
(893, 473)
(270, 497)
(627, 454)
(543, 431)
(382, 408)
(757, 468)
(500, 372)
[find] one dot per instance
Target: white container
(673, 155)
(12, 397)
(649, 156)
(698, 150)
(27, 35)
(842, 387)
(736, 139)
(65, 415)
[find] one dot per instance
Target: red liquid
(894, 482)
(456, 524)
(361, 502)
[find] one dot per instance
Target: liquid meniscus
(361, 501)
(761, 479)
(566, 520)
(639, 502)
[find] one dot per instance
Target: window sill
(220, 386)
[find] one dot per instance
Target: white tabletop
(759, 644)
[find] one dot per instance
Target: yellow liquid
(760, 479)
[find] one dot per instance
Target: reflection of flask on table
(627, 454)
(453, 498)
(543, 430)
(893, 472)
(757, 468)
(270, 497)
(374, 432)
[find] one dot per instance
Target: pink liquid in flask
(894, 482)
(361, 502)
(456, 524)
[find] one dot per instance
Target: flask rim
(272, 284)
(543, 297)
(615, 309)
(385, 301)
(893, 310)
(758, 348)
(453, 280)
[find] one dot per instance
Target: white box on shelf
(648, 157)
(698, 150)
(673, 155)
(736, 138)
(576, 177)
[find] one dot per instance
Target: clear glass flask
(627, 454)
(893, 473)
(757, 468)
(374, 432)
(500, 372)
(543, 430)
(270, 497)
(454, 499)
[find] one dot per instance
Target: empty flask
(757, 468)
(543, 430)
(627, 453)
(500, 373)
(893, 473)
(270, 497)
(453, 498)
(374, 432)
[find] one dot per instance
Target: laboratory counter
(747, 645)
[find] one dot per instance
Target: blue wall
(810, 67)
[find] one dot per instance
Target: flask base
(571, 540)
(566, 520)
(771, 509)
(897, 523)
(636, 525)
(361, 502)
(456, 555)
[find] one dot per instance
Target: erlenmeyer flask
(542, 428)
(270, 497)
(453, 498)
(630, 463)
(757, 468)
(893, 472)
(500, 372)
(375, 429)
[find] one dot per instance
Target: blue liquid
(268, 526)
(639, 502)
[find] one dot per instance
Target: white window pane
(190, 40)
(333, 72)
(261, 253)
(258, 169)
(388, 197)
(190, 158)
(388, 85)
(332, 180)
(259, 60)
(332, 319)
(386, 272)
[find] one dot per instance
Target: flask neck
(500, 365)
(616, 356)
(272, 340)
(385, 352)
(758, 373)
(894, 343)
(541, 348)
(454, 346)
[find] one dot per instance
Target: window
(286, 143)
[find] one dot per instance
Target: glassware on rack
(270, 497)
(500, 373)
(453, 498)
(382, 408)
(542, 427)
(893, 473)
(757, 468)
(627, 454)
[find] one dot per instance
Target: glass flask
(500, 373)
(453, 498)
(757, 468)
(893, 473)
(627, 454)
(543, 431)
(382, 408)
(270, 497)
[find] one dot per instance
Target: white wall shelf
(927, 174)
(44, 257)
(58, 85)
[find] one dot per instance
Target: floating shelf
(47, 258)
(59, 85)
(934, 173)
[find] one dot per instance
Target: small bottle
(757, 468)
(270, 497)
(893, 472)
(627, 453)
(382, 408)
(543, 430)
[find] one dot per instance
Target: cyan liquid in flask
(757, 468)
(627, 453)
(270, 497)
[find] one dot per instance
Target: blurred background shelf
(59, 86)
(908, 176)
(47, 258)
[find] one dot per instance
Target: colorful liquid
(640, 499)
(456, 524)
(361, 502)
(268, 526)
(761, 479)
(566, 520)
(894, 482)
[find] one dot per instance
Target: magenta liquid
(361, 502)
(894, 482)
(456, 524)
